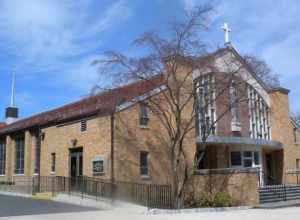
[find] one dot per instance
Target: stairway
(278, 193)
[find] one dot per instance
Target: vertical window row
(234, 104)
(144, 116)
(295, 135)
(206, 106)
(37, 153)
(53, 162)
(2, 157)
(144, 163)
(259, 116)
(19, 155)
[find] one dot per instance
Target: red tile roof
(2, 125)
(102, 104)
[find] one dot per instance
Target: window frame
(53, 163)
(241, 159)
(96, 160)
(2, 158)
(143, 115)
(245, 158)
(295, 135)
(19, 168)
(37, 162)
(205, 89)
(142, 167)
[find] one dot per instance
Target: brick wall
(94, 141)
(240, 185)
(282, 130)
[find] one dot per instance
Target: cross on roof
(226, 30)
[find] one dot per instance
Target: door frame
(76, 152)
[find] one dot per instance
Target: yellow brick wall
(94, 141)
(241, 186)
(283, 131)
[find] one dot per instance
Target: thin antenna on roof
(12, 98)
(12, 112)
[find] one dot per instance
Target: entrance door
(75, 166)
(269, 169)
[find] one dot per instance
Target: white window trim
(243, 158)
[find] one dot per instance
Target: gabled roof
(101, 104)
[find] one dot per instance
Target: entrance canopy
(235, 141)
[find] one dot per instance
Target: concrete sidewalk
(250, 214)
(277, 205)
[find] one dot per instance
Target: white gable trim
(141, 98)
(221, 64)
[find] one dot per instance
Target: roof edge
(280, 89)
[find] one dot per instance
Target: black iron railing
(150, 195)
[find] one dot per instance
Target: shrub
(222, 199)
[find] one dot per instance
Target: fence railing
(276, 193)
(150, 195)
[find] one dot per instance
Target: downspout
(112, 143)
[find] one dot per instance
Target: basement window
(83, 125)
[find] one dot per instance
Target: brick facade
(130, 139)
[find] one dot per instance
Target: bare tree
(262, 70)
(183, 103)
(297, 118)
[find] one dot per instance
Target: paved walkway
(282, 204)
(19, 206)
(256, 214)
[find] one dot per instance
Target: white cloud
(268, 29)
(284, 56)
(46, 34)
(189, 4)
(82, 74)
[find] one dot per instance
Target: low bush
(220, 199)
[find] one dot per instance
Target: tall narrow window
(144, 118)
(19, 155)
(295, 135)
(205, 100)
(297, 164)
(144, 160)
(235, 116)
(53, 162)
(259, 116)
(83, 125)
(37, 153)
(2, 157)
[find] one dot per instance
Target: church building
(110, 135)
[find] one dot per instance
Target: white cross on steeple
(226, 30)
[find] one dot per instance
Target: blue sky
(51, 43)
